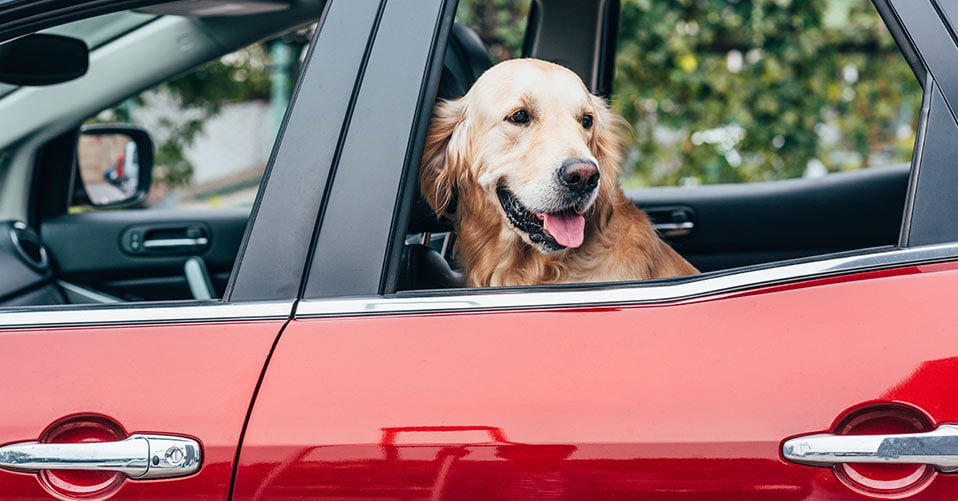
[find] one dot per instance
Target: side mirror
(114, 164)
(41, 59)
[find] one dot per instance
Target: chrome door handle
(140, 457)
(672, 222)
(938, 448)
(175, 243)
(674, 229)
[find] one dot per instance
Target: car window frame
(359, 236)
(276, 248)
(367, 299)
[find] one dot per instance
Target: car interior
(57, 248)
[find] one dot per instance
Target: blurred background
(717, 91)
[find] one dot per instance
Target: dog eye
(587, 121)
(520, 117)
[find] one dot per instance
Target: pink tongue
(567, 229)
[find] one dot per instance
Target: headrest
(466, 59)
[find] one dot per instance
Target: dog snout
(579, 175)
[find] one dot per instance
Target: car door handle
(938, 448)
(165, 239)
(674, 229)
(140, 457)
(175, 243)
(671, 222)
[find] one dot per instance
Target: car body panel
(657, 401)
(193, 379)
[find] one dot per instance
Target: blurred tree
(735, 91)
(198, 96)
(745, 90)
(236, 77)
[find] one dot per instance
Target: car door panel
(651, 402)
(191, 379)
(741, 225)
(97, 249)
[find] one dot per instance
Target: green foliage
(198, 96)
(172, 167)
(736, 91)
(239, 76)
(236, 77)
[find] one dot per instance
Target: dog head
(529, 148)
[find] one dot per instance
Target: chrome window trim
(137, 314)
(707, 285)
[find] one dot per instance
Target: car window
(200, 90)
(756, 102)
(734, 92)
(212, 128)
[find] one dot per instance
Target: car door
(83, 379)
(764, 383)
(149, 401)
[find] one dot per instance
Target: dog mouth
(554, 231)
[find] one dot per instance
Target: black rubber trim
(933, 42)
(920, 137)
(532, 27)
(933, 206)
(905, 44)
(609, 17)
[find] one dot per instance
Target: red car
(318, 345)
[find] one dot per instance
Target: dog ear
(610, 137)
(608, 146)
(443, 154)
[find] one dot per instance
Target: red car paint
(192, 380)
(648, 402)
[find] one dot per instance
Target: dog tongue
(568, 229)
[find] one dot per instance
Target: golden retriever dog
(531, 159)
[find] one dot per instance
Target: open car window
(795, 123)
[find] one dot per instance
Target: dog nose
(579, 175)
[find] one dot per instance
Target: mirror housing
(114, 166)
(41, 59)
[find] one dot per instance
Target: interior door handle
(674, 229)
(175, 243)
(671, 222)
(140, 457)
(938, 448)
(165, 239)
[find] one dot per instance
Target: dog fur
(478, 150)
